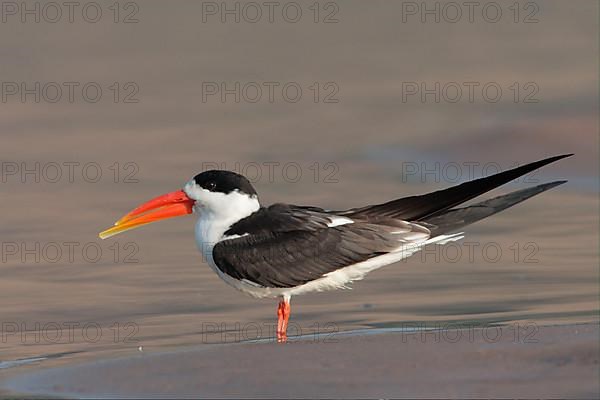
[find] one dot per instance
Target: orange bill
(162, 207)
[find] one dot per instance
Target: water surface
(150, 290)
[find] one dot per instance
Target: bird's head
(216, 193)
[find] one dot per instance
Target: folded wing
(285, 246)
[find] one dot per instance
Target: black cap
(224, 182)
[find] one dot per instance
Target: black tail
(455, 219)
(420, 208)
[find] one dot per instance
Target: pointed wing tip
(546, 161)
(550, 185)
(560, 157)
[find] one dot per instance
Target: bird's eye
(211, 185)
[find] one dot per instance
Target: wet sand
(152, 285)
(555, 362)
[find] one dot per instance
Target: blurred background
(334, 104)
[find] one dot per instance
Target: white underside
(333, 280)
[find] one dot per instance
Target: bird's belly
(244, 286)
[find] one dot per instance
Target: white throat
(218, 211)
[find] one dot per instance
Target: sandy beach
(550, 362)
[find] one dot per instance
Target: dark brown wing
(457, 218)
(415, 208)
(286, 246)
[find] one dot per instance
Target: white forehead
(194, 190)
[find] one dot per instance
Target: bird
(285, 250)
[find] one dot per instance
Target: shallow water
(64, 291)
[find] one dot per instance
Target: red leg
(283, 316)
